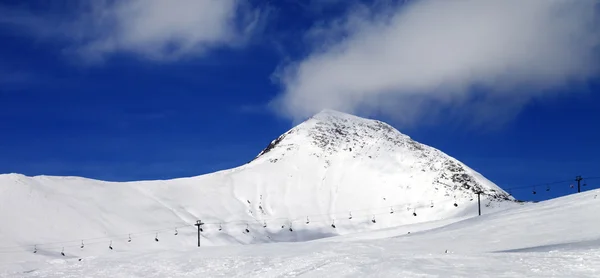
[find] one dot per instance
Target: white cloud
(153, 29)
(415, 60)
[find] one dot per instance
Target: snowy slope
(556, 238)
(323, 171)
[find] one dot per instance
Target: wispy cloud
(153, 29)
(485, 59)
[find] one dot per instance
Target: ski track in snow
(331, 264)
(184, 219)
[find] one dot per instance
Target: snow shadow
(569, 246)
(299, 236)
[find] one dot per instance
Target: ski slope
(334, 169)
(555, 238)
(334, 174)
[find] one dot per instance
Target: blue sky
(127, 92)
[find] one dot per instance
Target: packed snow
(337, 195)
(556, 238)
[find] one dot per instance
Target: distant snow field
(336, 196)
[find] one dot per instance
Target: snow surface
(556, 238)
(323, 171)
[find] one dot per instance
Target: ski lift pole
(198, 224)
(479, 201)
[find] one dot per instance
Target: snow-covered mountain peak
(329, 115)
(331, 137)
(330, 132)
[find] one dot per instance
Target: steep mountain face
(333, 174)
(330, 134)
